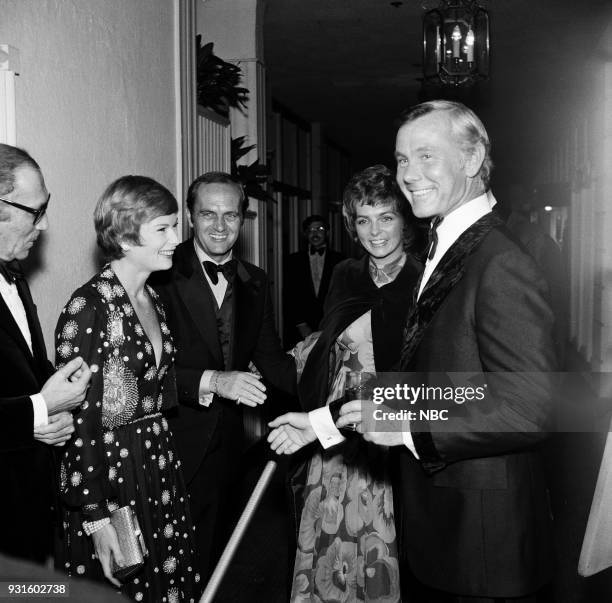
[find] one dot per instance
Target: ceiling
(354, 65)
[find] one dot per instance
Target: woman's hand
(291, 432)
(106, 544)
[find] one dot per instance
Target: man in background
(307, 277)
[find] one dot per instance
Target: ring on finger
(238, 400)
(352, 426)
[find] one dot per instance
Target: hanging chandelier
(456, 43)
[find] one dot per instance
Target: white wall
(95, 100)
(234, 26)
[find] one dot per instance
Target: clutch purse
(131, 542)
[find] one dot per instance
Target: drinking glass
(357, 387)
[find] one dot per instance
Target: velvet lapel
(446, 275)
(247, 296)
(195, 293)
(38, 343)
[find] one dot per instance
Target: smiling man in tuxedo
(474, 517)
(221, 317)
(34, 401)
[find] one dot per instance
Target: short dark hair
(216, 178)
(465, 125)
(125, 205)
(12, 158)
(376, 185)
(314, 218)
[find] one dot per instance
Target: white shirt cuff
(409, 442)
(41, 415)
(206, 396)
(325, 429)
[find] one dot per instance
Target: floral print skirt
(347, 548)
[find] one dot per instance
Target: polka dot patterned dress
(122, 452)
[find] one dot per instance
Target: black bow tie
(432, 236)
(11, 271)
(228, 269)
(320, 250)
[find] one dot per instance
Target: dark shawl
(351, 294)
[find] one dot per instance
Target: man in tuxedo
(220, 314)
(307, 277)
(35, 402)
(472, 512)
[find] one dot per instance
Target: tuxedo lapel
(38, 342)
(195, 293)
(443, 279)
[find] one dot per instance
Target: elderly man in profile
(35, 401)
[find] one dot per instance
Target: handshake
(63, 392)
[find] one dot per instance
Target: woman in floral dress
(122, 452)
(346, 540)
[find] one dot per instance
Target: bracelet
(90, 527)
(213, 388)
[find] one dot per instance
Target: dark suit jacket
(300, 303)
(26, 466)
(474, 513)
(191, 318)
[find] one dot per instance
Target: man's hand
(360, 413)
(66, 388)
(291, 432)
(244, 387)
(106, 544)
(57, 432)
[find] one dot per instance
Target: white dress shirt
(448, 231)
(451, 228)
(205, 394)
(15, 305)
